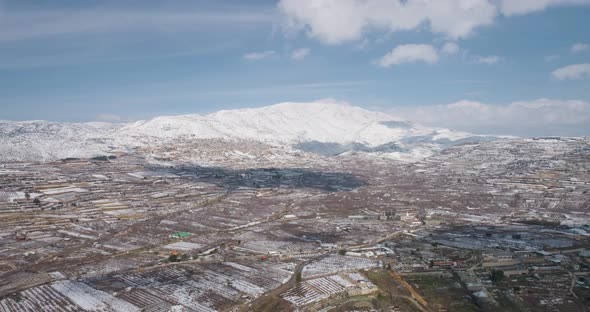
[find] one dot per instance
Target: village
(132, 233)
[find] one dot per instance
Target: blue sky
(437, 62)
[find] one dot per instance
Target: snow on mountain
(325, 128)
(290, 123)
(44, 141)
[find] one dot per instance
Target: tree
(27, 195)
(496, 275)
(298, 277)
(342, 252)
(173, 257)
(36, 201)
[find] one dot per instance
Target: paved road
(375, 242)
(281, 289)
(292, 281)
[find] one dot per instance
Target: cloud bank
(338, 21)
(300, 54)
(41, 23)
(255, 56)
(580, 47)
(488, 60)
(450, 48)
(573, 72)
(409, 53)
(541, 117)
(520, 7)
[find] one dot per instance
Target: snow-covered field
(268, 246)
(317, 289)
(90, 299)
(209, 287)
(336, 263)
(184, 246)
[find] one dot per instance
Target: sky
(516, 67)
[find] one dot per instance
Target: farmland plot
(41, 298)
(266, 246)
(313, 290)
(90, 299)
(201, 287)
(317, 289)
(336, 263)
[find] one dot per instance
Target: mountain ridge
(325, 128)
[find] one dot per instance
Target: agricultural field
(443, 291)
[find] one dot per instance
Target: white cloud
(30, 24)
(300, 54)
(450, 48)
(580, 47)
(520, 7)
(573, 72)
(550, 58)
(488, 60)
(255, 56)
(337, 21)
(526, 118)
(409, 53)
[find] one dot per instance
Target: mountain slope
(291, 123)
(324, 128)
(44, 141)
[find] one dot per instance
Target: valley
(238, 225)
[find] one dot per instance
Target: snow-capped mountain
(320, 127)
(43, 140)
(285, 123)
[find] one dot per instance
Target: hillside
(323, 128)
